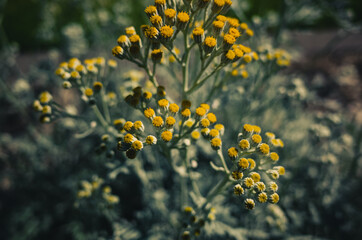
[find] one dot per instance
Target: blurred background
(314, 105)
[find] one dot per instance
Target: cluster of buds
(170, 121)
(252, 160)
(193, 224)
(87, 76)
(97, 188)
(216, 35)
(44, 104)
(132, 138)
(277, 56)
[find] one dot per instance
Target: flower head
(166, 136)
(249, 203)
(216, 143)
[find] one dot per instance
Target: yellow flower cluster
(85, 76)
(194, 223)
(166, 23)
(93, 188)
(278, 56)
(44, 105)
(169, 118)
(253, 159)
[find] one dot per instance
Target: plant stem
(100, 116)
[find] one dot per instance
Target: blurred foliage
(42, 166)
(35, 24)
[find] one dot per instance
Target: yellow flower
(249, 203)
(248, 182)
(151, 33)
(149, 113)
(229, 40)
(151, 140)
(234, 72)
(75, 75)
(243, 163)
(45, 97)
(84, 194)
(129, 138)
(117, 51)
(272, 186)
(88, 92)
(216, 143)
(107, 189)
(274, 198)
(205, 106)
(119, 122)
(237, 175)
(249, 32)
(262, 197)
(248, 129)
(244, 26)
(234, 32)
(238, 190)
(214, 133)
(156, 55)
(198, 34)
(195, 135)
(221, 18)
(163, 103)
(150, 11)
(228, 56)
(270, 135)
(112, 199)
(170, 121)
(59, 71)
(186, 113)
(255, 176)
(209, 44)
(273, 174)
(47, 109)
(128, 126)
(234, 22)
(188, 209)
(252, 163)
(173, 108)
(244, 74)
(130, 31)
(280, 169)
(182, 20)
(205, 132)
(264, 148)
(97, 86)
(205, 122)
(256, 138)
(183, 17)
(274, 156)
(200, 112)
(137, 145)
(166, 32)
(211, 117)
(247, 58)
(157, 121)
(220, 128)
(259, 186)
(37, 106)
(170, 13)
(166, 136)
(93, 69)
(244, 144)
(233, 153)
